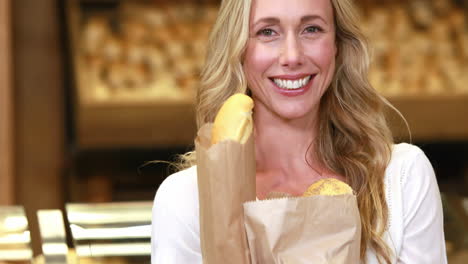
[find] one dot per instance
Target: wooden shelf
(139, 125)
(165, 123)
(124, 123)
(431, 118)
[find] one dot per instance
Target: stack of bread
(418, 47)
(145, 52)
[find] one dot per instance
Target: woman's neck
(286, 146)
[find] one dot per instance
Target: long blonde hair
(354, 139)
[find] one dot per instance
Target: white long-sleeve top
(415, 227)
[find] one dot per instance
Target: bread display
(234, 120)
(418, 47)
(144, 51)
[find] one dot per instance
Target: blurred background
(90, 90)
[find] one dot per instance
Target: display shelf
(431, 118)
(139, 125)
(432, 114)
(118, 122)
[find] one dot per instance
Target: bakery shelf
(136, 123)
(122, 121)
(139, 125)
(433, 114)
(432, 117)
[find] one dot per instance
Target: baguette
(234, 120)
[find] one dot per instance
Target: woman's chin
(286, 108)
(295, 114)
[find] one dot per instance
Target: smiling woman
(305, 64)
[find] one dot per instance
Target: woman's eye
(266, 32)
(312, 29)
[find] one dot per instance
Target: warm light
(12, 223)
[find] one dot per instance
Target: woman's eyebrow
(267, 20)
(312, 17)
(274, 20)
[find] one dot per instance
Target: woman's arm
(175, 234)
(423, 233)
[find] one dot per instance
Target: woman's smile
(293, 85)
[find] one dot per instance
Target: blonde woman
(305, 64)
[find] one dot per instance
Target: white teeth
(283, 83)
(302, 82)
(290, 84)
(297, 84)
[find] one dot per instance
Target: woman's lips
(294, 92)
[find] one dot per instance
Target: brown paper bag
(226, 180)
(317, 229)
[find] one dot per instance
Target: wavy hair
(354, 139)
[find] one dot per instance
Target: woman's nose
(291, 52)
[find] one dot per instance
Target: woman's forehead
(291, 9)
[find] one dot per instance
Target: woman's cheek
(263, 57)
(322, 53)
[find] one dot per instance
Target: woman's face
(290, 57)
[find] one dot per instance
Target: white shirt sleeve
(423, 229)
(175, 237)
